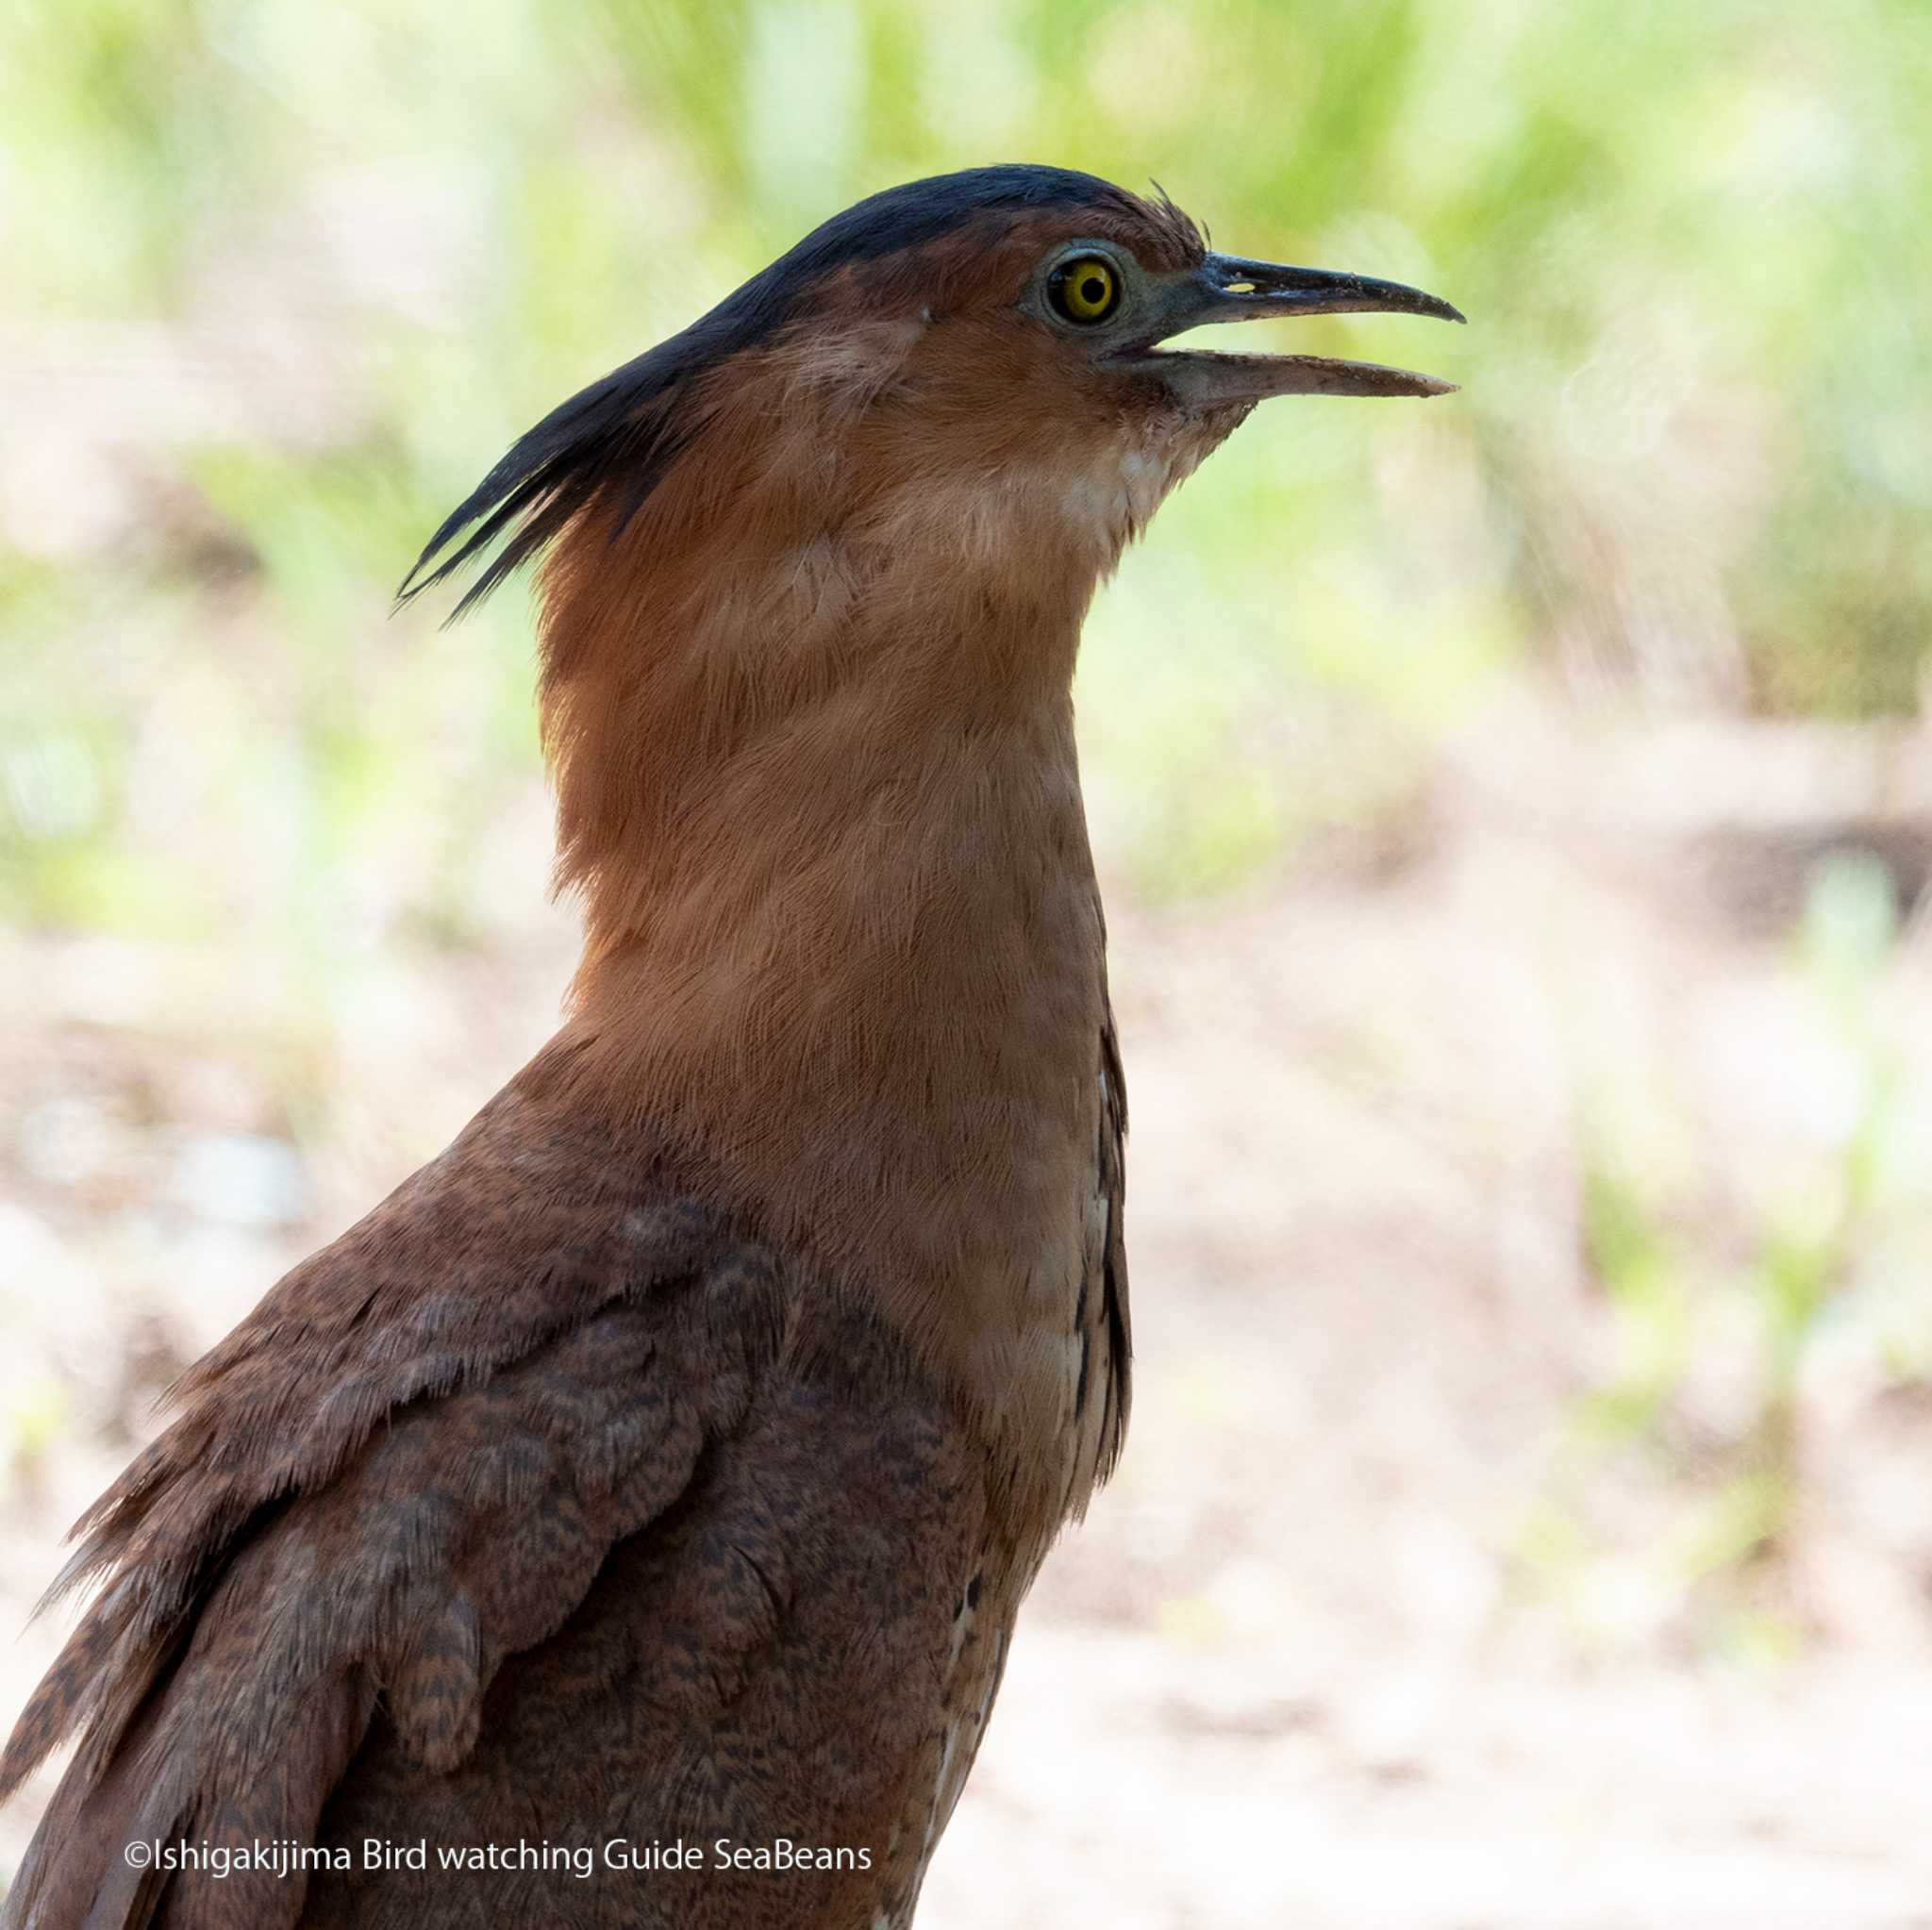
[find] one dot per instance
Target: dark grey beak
(1228, 288)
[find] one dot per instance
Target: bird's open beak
(1226, 288)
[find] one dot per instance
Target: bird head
(854, 516)
(986, 347)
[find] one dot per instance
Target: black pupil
(1093, 290)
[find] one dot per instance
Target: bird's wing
(408, 1462)
(1113, 1254)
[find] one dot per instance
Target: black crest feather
(627, 429)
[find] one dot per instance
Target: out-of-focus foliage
(1835, 1238)
(283, 278)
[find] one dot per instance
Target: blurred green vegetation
(1708, 1353)
(284, 277)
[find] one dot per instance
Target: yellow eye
(1085, 290)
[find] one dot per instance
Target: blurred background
(1516, 814)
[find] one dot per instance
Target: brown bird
(664, 1464)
